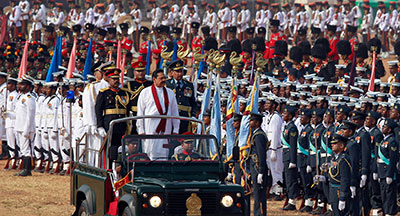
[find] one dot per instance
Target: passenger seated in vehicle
(187, 151)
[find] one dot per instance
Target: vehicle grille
(176, 202)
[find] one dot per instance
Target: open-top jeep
(169, 183)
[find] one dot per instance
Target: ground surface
(44, 194)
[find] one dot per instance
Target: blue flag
(148, 58)
(202, 63)
(215, 124)
(232, 107)
(88, 61)
(205, 103)
(252, 106)
(55, 61)
(175, 54)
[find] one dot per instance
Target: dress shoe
(307, 209)
(289, 207)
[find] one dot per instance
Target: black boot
(27, 167)
(4, 151)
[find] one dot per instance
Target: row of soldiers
(294, 19)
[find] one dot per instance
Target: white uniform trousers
(65, 146)
(94, 145)
(12, 142)
(54, 145)
(26, 144)
(38, 145)
(45, 144)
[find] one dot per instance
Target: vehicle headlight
(155, 201)
(227, 201)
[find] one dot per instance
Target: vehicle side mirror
(235, 153)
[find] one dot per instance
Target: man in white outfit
(25, 124)
(89, 115)
(157, 100)
(273, 125)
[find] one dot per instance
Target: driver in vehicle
(132, 153)
(187, 152)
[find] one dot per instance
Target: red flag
(122, 68)
(72, 59)
(24, 60)
(372, 79)
(119, 52)
(122, 182)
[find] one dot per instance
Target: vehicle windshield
(177, 148)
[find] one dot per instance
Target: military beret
(302, 31)
(318, 112)
(232, 29)
(390, 123)
(344, 109)
(336, 138)
(348, 125)
(306, 112)
(256, 116)
(351, 28)
(250, 30)
(237, 117)
(374, 115)
(331, 28)
(290, 109)
(358, 115)
(177, 30)
(102, 32)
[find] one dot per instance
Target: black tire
(127, 212)
(84, 209)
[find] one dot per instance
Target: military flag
(55, 61)
(88, 61)
(232, 107)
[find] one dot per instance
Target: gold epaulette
(104, 89)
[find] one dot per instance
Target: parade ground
(45, 194)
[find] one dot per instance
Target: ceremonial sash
(163, 122)
(305, 152)
(284, 141)
(381, 156)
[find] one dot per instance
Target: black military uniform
(302, 158)
(363, 138)
(184, 92)
(289, 156)
(135, 87)
(113, 104)
(339, 179)
(314, 159)
(387, 159)
(374, 194)
(258, 166)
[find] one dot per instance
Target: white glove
(53, 135)
(342, 205)
(93, 130)
(259, 178)
(273, 156)
(229, 177)
(389, 180)
(88, 130)
(101, 132)
(375, 176)
(363, 181)
(292, 165)
(319, 178)
(353, 191)
(45, 135)
(308, 169)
